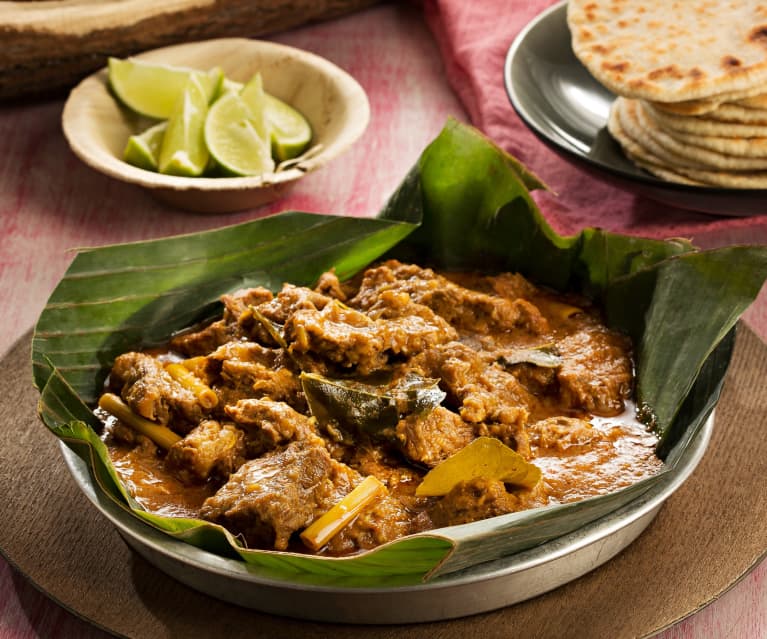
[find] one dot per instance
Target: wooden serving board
(49, 45)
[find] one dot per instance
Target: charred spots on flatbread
(618, 67)
(677, 51)
(758, 35)
(691, 82)
(602, 49)
(669, 71)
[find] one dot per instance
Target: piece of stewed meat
(211, 450)
(274, 496)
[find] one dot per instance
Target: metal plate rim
(564, 558)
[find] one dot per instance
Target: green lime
(153, 89)
(183, 150)
(233, 138)
(254, 96)
(230, 86)
(291, 133)
(213, 81)
(143, 149)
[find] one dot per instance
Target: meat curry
(314, 420)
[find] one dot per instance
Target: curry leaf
(355, 407)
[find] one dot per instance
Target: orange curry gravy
(537, 370)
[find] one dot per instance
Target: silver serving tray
(481, 588)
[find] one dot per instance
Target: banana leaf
(465, 204)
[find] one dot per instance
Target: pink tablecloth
(50, 202)
(473, 39)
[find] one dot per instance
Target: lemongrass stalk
(163, 436)
(195, 364)
(564, 311)
(322, 530)
(204, 393)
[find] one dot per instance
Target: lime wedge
(213, 81)
(291, 133)
(254, 96)
(183, 150)
(143, 150)
(230, 86)
(233, 139)
(153, 89)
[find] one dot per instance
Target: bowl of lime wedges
(215, 126)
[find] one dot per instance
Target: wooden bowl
(97, 127)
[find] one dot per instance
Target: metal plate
(478, 589)
(567, 108)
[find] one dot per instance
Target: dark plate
(565, 106)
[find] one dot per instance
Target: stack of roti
(691, 76)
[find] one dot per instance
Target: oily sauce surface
(537, 370)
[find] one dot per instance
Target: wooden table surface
(50, 203)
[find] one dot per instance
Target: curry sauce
(389, 375)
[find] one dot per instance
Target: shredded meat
(460, 306)
(385, 521)
(291, 299)
(350, 339)
(329, 285)
(244, 369)
(561, 433)
(482, 392)
(223, 331)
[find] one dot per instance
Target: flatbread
(659, 166)
(753, 102)
(689, 107)
(704, 126)
(739, 146)
(627, 113)
(671, 51)
(728, 179)
(641, 156)
(738, 114)
(641, 127)
(756, 96)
